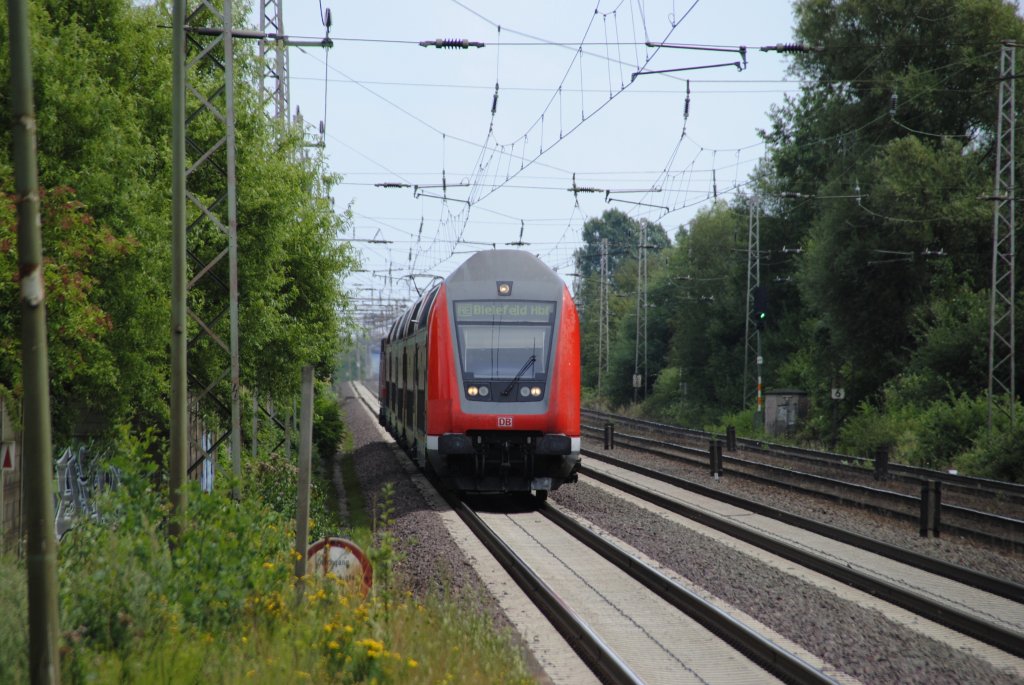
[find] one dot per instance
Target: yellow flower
(245, 640)
(333, 644)
(302, 674)
(348, 629)
(412, 663)
(268, 565)
(370, 643)
(329, 627)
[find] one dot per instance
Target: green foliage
(119, 580)
(273, 480)
(103, 91)
(945, 429)
(78, 253)
(222, 604)
(951, 432)
(622, 233)
(870, 429)
(328, 427)
(999, 456)
(745, 422)
(13, 620)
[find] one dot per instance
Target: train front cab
(503, 391)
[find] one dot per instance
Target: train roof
(484, 266)
(490, 265)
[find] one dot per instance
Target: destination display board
(490, 311)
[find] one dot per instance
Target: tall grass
(222, 605)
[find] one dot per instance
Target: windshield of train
(497, 339)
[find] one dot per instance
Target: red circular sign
(342, 558)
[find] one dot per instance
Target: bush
(1000, 455)
(943, 430)
(868, 430)
(328, 427)
(120, 581)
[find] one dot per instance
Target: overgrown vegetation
(102, 72)
(222, 604)
(875, 250)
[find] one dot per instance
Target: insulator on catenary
(791, 47)
(452, 43)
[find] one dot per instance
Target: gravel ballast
(954, 549)
(856, 640)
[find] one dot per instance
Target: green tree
(623, 234)
(889, 143)
(103, 92)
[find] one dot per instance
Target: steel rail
(762, 651)
(605, 663)
(997, 586)
(970, 484)
(952, 617)
(626, 440)
(1015, 525)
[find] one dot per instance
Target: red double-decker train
(480, 378)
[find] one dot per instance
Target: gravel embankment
(428, 560)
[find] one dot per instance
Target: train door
(421, 390)
(403, 395)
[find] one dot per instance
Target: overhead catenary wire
(686, 173)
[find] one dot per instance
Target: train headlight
(524, 391)
(472, 391)
(484, 391)
(504, 288)
(535, 391)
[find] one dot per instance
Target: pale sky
(395, 112)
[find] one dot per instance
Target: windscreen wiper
(512, 383)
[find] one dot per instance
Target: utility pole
(1001, 343)
(752, 333)
(602, 331)
(274, 87)
(44, 623)
(640, 372)
(179, 439)
(208, 76)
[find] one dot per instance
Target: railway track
(985, 608)
(985, 526)
(629, 621)
(982, 489)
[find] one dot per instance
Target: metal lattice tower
(602, 332)
(1001, 356)
(274, 58)
(752, 385)
(641, 316)
(212, 228)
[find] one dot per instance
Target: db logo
(504, 422)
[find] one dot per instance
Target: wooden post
(305, 457)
